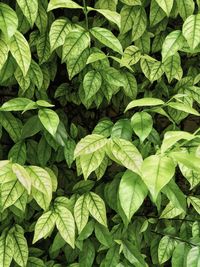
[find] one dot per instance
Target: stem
(86, 13)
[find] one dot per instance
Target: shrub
(100, 160)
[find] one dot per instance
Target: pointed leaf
(49, 120)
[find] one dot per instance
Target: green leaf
(65, 224)
(29, 9)
(179, 254)
(91, 83)
(132, 192)
(16, 104)
(75, 43)
(193, 257)
(111, 16)
(10, 192)
(130, 85)
(140, 22)
(166, 5)
(43, 47)
(172, 43)
(156, 71)
(49, 120)
(18, 153)
(172, 137)
(4, 49)
(35, 262)
(127, 18)
(8, 20)
(58, 32)
(165, 249)
(185, 8)
(81, 213)
(112, 257)
(191, 30)
(188, 159)
(171, 67)
(20, 50)
(157, 171)
(125, 153)
(23, 176)
(20, 255)
(96, 207)
(107, 38)
(89, 144)
(91, 162)
(171, 211)
(45, 224)
(195, 203)
(157, 14)
(183, 107)
(132, 55)
(104, 127)
(36, 75)
(87, 255)
(6, 249)
(149, 101)
(41, 181)
(54, 4)
(122, 129)
(132, 254)
(142, 124)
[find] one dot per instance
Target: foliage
(100, 144)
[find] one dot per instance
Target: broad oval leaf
(96, 207)
(191, 30)
(107, 38)
(91, 83)
(166, 5)
(8, 20)
(149, 101)
(54, 4)
(29, 9)
(165, 249)
(20, 50)
(49, 120)
(132, 192)
(157, 171)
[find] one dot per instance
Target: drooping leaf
(54, 4)
(49, 120)
(81, 213)
(132, 192)
(29, 9)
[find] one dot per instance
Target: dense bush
(100, 144)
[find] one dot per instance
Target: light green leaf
(171, 67)
(43, 47)
(156, 71)
(166, 5)
(10, 192)
(96, 207)
(41, 181)
(187, 159)
(125, 153)
(54, 4)
(91, 83)
(111, 16)
(6, 249)
(193, 177)
(130, 84)
(165, 249)
(8, 20)
(16, 104)
(172, 137)
(91, 162)
(75, 43)
(77, 63)
(193, 257)
(131, 55)
(156, 13)
(95, 57)
(171, 211)
(140, 22)
(65, 224)
(4, 49)
(185, 8)
(20, 50)
(142, 124)
(191, 30)
(23, 176)
(179, 254)
(49, 120)
(81, 213)
(195, 203)
(104, 127)
(89, 144)
(148, 101)
(172, 43)
(20, 255)
(183, 107)
(58, 32)
(107, 38)
(132, 192)
(29, 9)
(36, 75)
(127, 18)
(131, 2)
(45, 224)
(157, 171)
